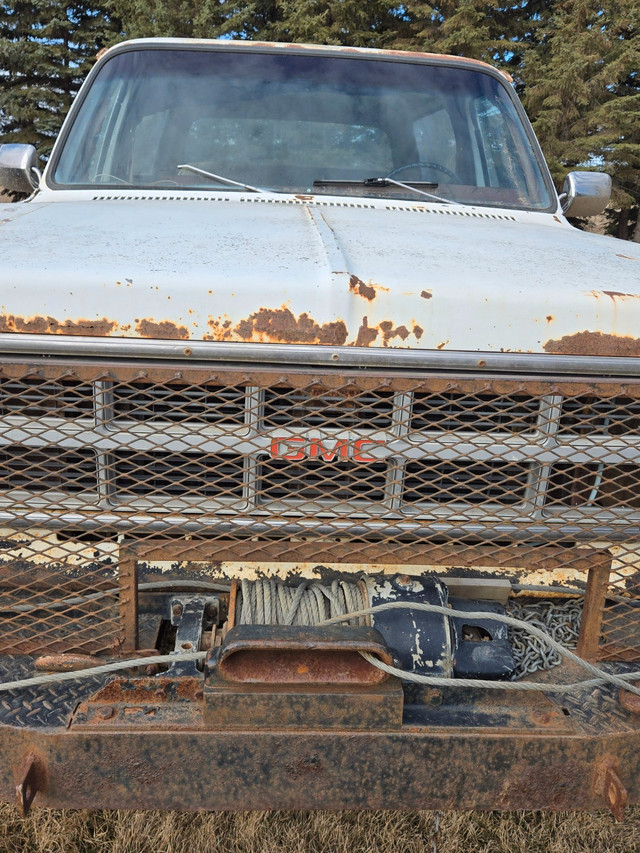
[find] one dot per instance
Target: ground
(49, 831)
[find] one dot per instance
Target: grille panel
(597, 485)
(286, 481)
(593, 416)
(474, 413)
(177, 475)
(47, 469)
(33, 397)
(316, 468)
(473, 483)
(321, 407)
(179, 403)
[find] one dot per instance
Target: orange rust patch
(388, 332)
(594, 343)
(50, 326)
(161, 329)
(426, 294)
(616, 294)
(366, 334)
(280, 325)
(549, 318)
(626, 257)
(443, 344)
(418, 331)
(356, 285)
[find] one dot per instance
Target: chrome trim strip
(303, 355)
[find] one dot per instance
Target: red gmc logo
(298, 448)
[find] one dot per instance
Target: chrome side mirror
(19, 168)
(585, 193)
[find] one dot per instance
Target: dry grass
(49, 831)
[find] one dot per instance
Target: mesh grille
(319, 467)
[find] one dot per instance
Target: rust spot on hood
(418, 331)
(594, 343)
(366, 334)
(616, 294)
(388, 332)
(161, 329)
(356, 285)
(367, 291)
(426, 294)
(37, 325)
(280, 325)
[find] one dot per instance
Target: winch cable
(267, 599)
(105, 669)
(600, 675)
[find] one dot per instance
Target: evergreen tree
(480, 29)
(340, 22)
(46, 50)
(168, 18)
(583, 92)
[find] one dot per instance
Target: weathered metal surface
(66, 662)
(238, 706)
(149, 704)
(630, 701)
(610, 788)
(408, 769)
(31, 778)
(267, 654)
(105, 465)
(593, 612)
(147, 294)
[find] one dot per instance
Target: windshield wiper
(385, 182)
(222, 179)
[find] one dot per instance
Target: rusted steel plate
(443, 769)
(231, 706)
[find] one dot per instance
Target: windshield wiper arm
(222, 179)
(384, 182)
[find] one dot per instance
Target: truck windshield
(301, 123)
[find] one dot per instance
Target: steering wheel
(420, 164)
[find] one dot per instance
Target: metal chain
(561, 621)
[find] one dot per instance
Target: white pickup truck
(290, 333)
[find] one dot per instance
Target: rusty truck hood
(335, 271)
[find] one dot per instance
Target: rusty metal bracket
(31, 778)
(610, 788)
(187, 616)
(593, 608)
(300, 677)
(288, 654)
